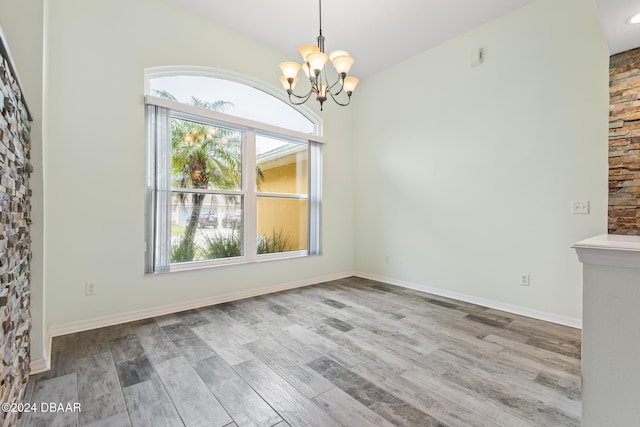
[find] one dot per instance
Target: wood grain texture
(58, 390)
(292, 405)
(223, 342)
(99, 390)
(290, 367)
(193, 400)
(372, 396)
(149, 404)
(351, 352)
(347, 410)
(244, 405)
(190, 345)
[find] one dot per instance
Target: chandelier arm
(305, 96)
(334, 85)
(304, 99)
(338, 102)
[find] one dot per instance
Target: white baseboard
(100, 322)
(523, 311)
(44, 364)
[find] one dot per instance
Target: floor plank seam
(347, 352)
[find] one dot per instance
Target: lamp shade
(316, 61)
(285, 83)
(307, 49)
(305, 67)
(342, 63)
(350, 84)
(290, 69)
(335, 53)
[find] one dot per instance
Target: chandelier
(314, 67)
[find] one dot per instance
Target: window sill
(223, 262)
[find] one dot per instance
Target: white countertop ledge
(610, 249)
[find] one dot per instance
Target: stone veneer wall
(15, 240)
(624, 143)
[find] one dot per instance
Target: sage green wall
(465, 175)
(94, 164)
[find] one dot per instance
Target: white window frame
(222, 74)
(249, 129)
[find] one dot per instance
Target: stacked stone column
(624, 143)
(15, 242)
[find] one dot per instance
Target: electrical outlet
(580, 207)
(524, 279)
(387, 259)
(90, 288)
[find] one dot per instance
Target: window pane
(231, 98)
(283, 165)
(205, 226)
(282, 225)
(205, 156)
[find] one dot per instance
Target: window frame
(223, 74)
(248, 191)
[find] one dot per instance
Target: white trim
(249, 203)
(522, 311)
(213, 191)
(103, 321)
(292, 196)
(610, 249)
(219, 73)
(189, 112)
(44, 364)
(40, 365)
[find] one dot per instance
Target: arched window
(233, 172)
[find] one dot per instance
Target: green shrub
(277, 242)
(184, 251)
(223, 246)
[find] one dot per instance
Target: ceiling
(613, 16)
(387, 33)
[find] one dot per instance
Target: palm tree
(202, 157)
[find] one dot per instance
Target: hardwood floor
(351, 352)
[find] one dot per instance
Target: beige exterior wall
(288, 174)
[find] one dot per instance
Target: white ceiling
(613, 16)
(376, 33)
(382, 33)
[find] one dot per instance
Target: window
(223, 189)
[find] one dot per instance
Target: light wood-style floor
(351, 352)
